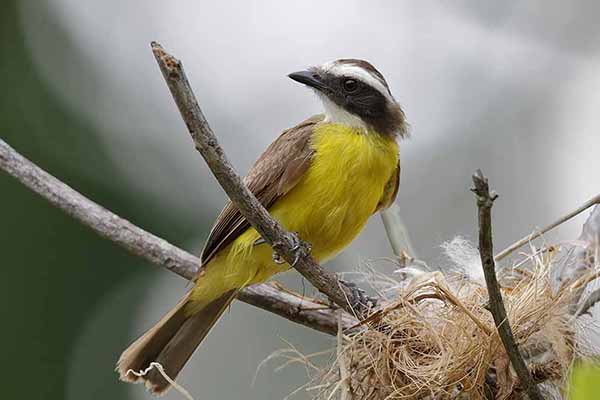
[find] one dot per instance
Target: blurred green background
(585, 382)
(55, 271)
(511, 88)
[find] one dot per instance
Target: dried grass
(435, 339)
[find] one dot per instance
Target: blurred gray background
(509, 87)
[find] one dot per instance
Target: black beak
(309, 78)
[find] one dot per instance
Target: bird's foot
(299, 248)
(359, 300)
(277, 259)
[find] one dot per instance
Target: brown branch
(288, 245)
(485, 200)
(296, 308)
(523, 241)
(156, 250)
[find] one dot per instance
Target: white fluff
(464, 256)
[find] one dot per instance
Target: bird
(321, 179)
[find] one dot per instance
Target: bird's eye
(350, 85)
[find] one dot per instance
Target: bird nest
(434, 338)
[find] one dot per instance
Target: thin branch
(294, 307)
(286, 244)
(156, 250)
(396, 232)
(536, 234)
(485, 200)
(108, 225)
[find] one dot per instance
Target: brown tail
(170, 342)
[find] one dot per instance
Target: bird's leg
(299, 248)
(360, 298)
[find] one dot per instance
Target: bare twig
(537, 234)
(156, 250)
(294, 307)
(485, 200)
(396, 232)
(288, 245)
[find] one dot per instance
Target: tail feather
(171, 342)
(146, 348)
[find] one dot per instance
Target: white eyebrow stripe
(357, 72)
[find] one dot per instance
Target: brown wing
(390, 191)
(274, 174)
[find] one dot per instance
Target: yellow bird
(322, 178)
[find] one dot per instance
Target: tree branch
(156, 250)
(536, 234)
(485, 200)
(286, 244)
(396, 232)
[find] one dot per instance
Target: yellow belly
(328, 207)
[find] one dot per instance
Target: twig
(529, 257)
(286, 244)
(154, 249)
(396, 232)
(485, 200)
(536, 234)
(294, 307)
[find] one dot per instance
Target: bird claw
(360, 298)
(299, 248)
(277, 259)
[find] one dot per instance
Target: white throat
(337, 115)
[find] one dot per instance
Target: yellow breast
(341, 189)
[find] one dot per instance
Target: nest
(434, 338)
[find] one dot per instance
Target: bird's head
(355, 93)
